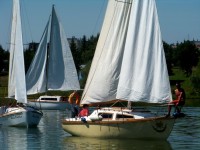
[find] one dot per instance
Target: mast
(48, 47)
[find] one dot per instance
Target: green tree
(87, 49)
(91, 46)
(75, 53)
(1, 58)
(29, 53)
(83, 49)
(84, 73)
(187, 56)
(168, 54)
(4, 59)
(195, 79)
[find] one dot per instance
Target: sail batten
(57, 65)
(131, 61)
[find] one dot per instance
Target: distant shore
(191, 99)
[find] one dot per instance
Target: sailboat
(52, 68)
(129, 65)
(20, 114)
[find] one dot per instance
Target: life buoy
(74, 97)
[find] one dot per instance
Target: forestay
(129, 61)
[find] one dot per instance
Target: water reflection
(19, 138)
(50, 135)
(51, 128)
(186, 133)
(79, 143)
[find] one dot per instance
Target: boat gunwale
(121, 121)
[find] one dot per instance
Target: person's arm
(180, 96)
(86, 112)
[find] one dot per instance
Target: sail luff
(16, 85)
(105, 70)
(36, 74)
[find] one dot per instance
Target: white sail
(16, 85)
(129, 61)
(55, 69)
(144, 72)
(36, 75)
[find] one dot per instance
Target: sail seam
(121, 1)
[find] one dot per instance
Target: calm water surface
(50, 135)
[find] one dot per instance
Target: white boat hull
(21, 118)
(151, 128)
(49, 105)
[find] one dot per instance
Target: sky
(179, 19)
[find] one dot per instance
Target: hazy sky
(179, 19)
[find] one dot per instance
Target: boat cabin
(117, 113)
(110, 113)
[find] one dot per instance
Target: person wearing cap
(180, 99)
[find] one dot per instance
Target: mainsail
(129, 61)
(53, 66)
(16, 83)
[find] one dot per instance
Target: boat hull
(21, 118)
(151, 128)
(50, 105)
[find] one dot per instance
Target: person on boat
(179, 101)
(85, 111)
(74, 100)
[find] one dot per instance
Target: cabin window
(49, 99)
(106, 115)
(124, 116)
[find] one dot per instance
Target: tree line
(184, 55)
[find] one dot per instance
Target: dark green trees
(29, 54)
(87, 50)
(183, 55)
(186, 56)
(4, 60)
(76, 52)
(169, 57)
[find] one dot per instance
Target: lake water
(49, 135)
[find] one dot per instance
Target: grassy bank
(192, 99)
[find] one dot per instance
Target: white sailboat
(18, 115)
(129, 64)
(52, 68)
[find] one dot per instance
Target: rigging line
(100, 12)
(9, 30)
(100, 53)
(116, 4)
(27, 21)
